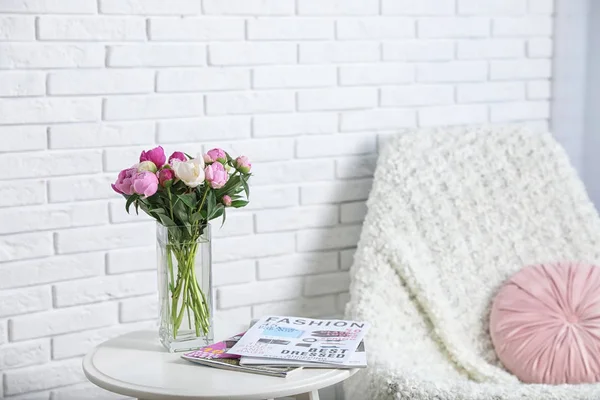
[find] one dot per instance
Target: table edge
(113, 385)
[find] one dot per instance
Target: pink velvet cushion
(545, 324)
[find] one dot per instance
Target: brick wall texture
(308, 89)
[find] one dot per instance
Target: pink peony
(145, 183)
(216, 175)
(177, 156)
(124, 183)
(243, 164)
(226, 201)
(165, 175)
(216, 155)
(156, 155)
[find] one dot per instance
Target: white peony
(191, 172)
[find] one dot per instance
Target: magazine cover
(216, 356)
(357, 360)
(302, 339)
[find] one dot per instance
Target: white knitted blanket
(452, 215)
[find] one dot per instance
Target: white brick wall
(308, 89)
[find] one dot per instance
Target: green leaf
(175, 234)
(210, 204)
(246, 188)
(155, 216)
(163, 197)
(188, 156)
(165, 220)
(224, 217)
(178, 186)
(130, 200)
(236, 190)
(181, 212)
(187, 200)
(196, 217)
(239, 203)
(143, 206)
(233, 182)
(219, 210)
(181, 216)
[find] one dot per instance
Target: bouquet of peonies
(184, 194)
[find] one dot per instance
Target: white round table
(137, 365)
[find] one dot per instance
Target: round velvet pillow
(545, 324)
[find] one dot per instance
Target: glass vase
(185, 287)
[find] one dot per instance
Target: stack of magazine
(279, 346)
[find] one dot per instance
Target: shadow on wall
(342, 209)
(351, 192)
(348, 197)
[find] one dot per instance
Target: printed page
(357, 360)
(302, 339)
(216, 355)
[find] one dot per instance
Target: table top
(137, 365)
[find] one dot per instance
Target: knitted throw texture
(452, 214)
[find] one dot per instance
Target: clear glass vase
(185, 287)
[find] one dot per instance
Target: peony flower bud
(191, 172)
(145, 183)
(146, 166)
(124, 183)
(226, 201)
(165, 175)
(243, 164)
(178, 155)
(207, 159)
(217, 155)
(216, 175)
(156, 155)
